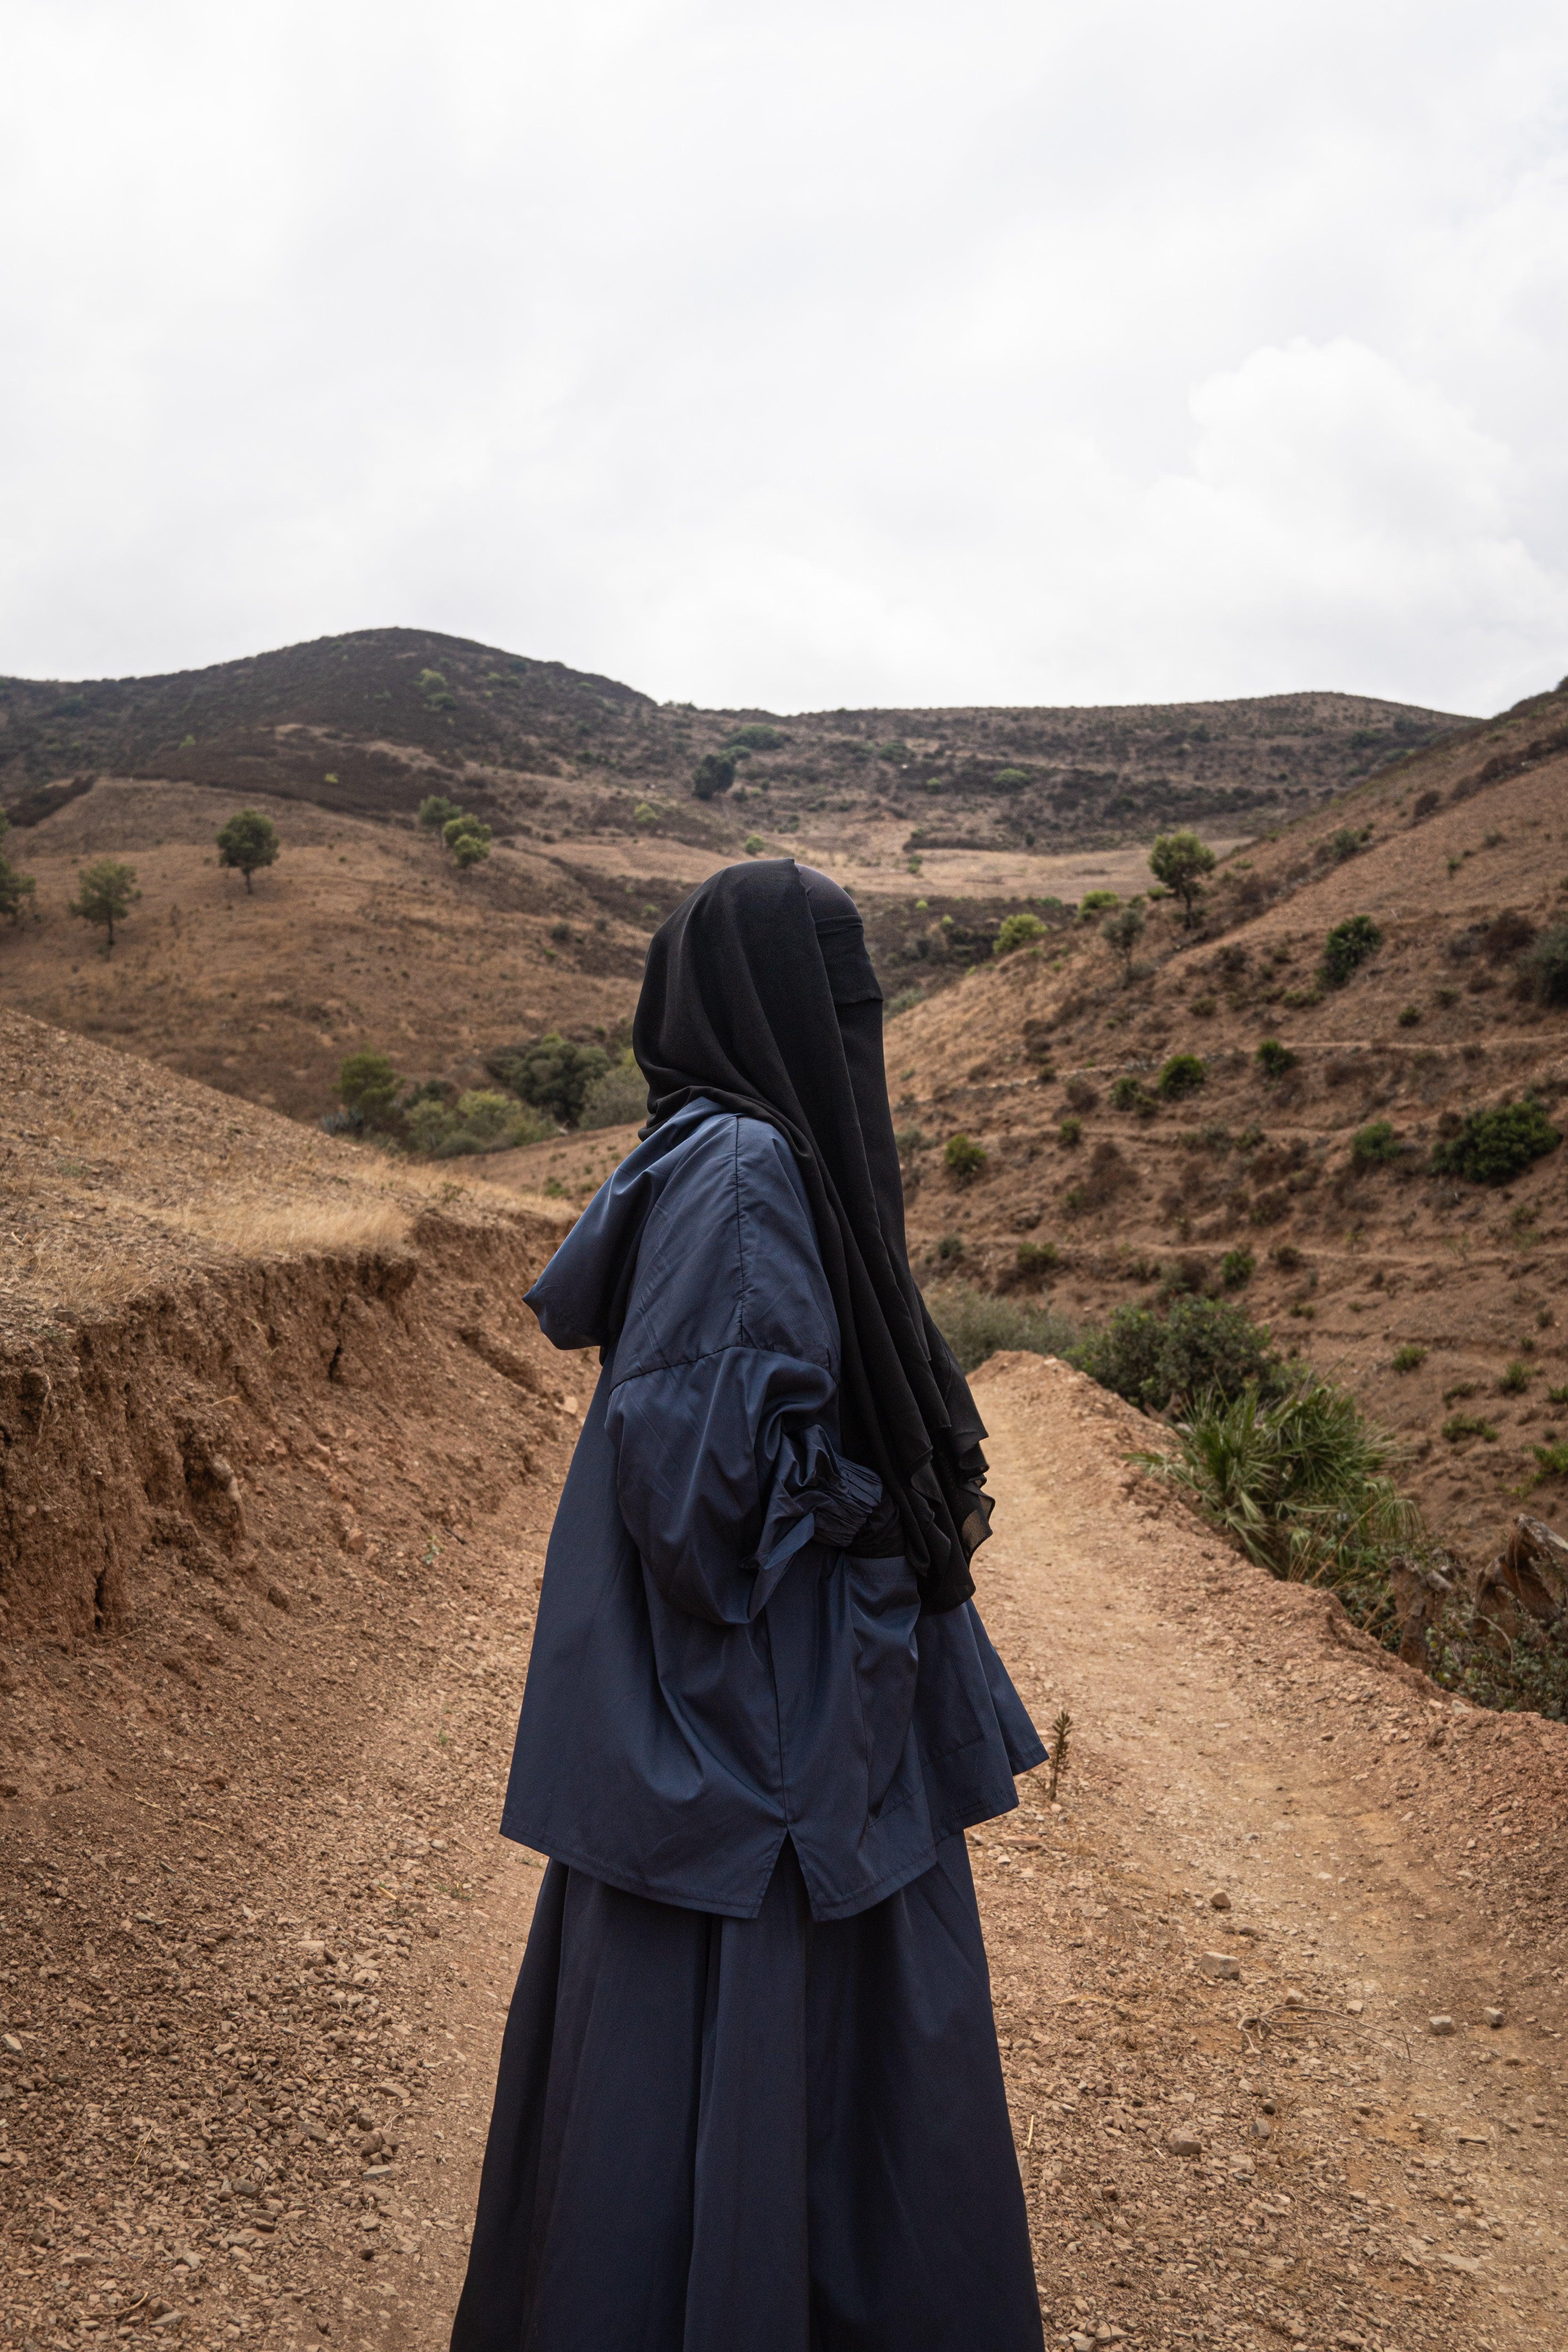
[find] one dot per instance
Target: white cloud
(856, 351)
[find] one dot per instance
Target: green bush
(1409, 1358)
(469, 839)
(552, 1074)
(1552, 1460)
(1273, 1058)
(1096, 902)
(1375, 1145)
(15, 889)
(1347, 948)
(1016, 932)
(1182, 1074)
(436, 811)
(904, 1001)
(1070, 1133)
(1515, 1379)
(1467, 1653)
(1236, 1268)
(965, 1158)
(1409, 1016)
(910, 1140)
(617, 1097)
(1460, 1426)
(1544, 965)
(1345, 843)
(1010, 779)
(1303, 1483)
(246, 842)
(1128, 1092)
(1180, 860)
(1037, 1259)
(1492, 1147)
(755, 845)
(436, 693)
(368, 1087)
(976, 1324)
(714, 772)
(757, 735)
(1201, 1345)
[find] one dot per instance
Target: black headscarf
(759, 996)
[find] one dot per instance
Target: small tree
(1017, 931)
(435, 811)
(15, 888)
(554, 1074)
(107, 893)
(369, 1086)
(1121, 933)
(468, 838)
(1347, 948)
(714, 772)
(248, 842)
(1180, 860)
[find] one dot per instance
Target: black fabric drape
(738, 1007)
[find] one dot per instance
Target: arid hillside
(1278, 1968)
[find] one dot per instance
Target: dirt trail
(258, 2024)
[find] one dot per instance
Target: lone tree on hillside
(247, 841)
(437, 811)
(369, 1087)
(1180, 860)
(107, 892)
(468, 838)
(1122, 931)
(15, 888)
(714, 772)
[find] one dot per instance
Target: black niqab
(758, 995)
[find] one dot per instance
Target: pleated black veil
(758, 995)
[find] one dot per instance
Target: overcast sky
(845, 352)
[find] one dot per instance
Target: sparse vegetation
(1492, 1147)
(1409, 1016)
(714, 772)
(1079, 1096)
(1121, 933)
(1273, 1058)
(1544, 965)
(478, 1121)
(1181, 861)
(1096, 902)
(1236, 1268)
(1460, 1426)
(965, 1159)
(435, 811)
(247, 842)
(106, 892)
(1037, 1259)
(756, 735)
(1070, 1133)
(1409, 1358)
(468, 838)
(1514, 1379)
(976, 1324)
(1347, 948)
(369, 1088)
(904, 1001)
(15, 889)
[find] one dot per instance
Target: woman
(750, 2094)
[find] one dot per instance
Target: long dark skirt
(752, 2135)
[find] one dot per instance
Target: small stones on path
(1441, 2025)
(1221, 1965)
(1219, 1900)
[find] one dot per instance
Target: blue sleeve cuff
(818, 1497)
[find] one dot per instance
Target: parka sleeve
(723, 1421)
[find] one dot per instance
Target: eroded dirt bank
(258, 1930)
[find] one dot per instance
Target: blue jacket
(710, 1673)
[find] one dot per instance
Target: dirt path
(256, 1973)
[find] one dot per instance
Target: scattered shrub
(1467, 1653)
(1182, 1074)
(437, 694)
(1016, 932)
(551, 1073)
(755, 845)
(1494, 1146)
(1128, 1092)
(976, 1324)
(1345, 843)
(1236, 1268)
(1409, 1358)
(469, 839)
(1206, 1006)
(617, 1097)
(1515, 1379)
(1201, 1345)
(1181, 861)
(910, 1140)
(1070, 1133)
(904, 1001)
(1096, 902)
(1375, 1145)
(1273, 1058)
(1347, 948)
(965, 1158)
(1078, 1095)
(757, 735)
(15, 889)
(1037, 1259)
(246, 842)
(1121, 933)
(106, 893)
(645, 813)
(1552, 1460)
(1460, 1426)
(950, 1248)
(435, 811)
